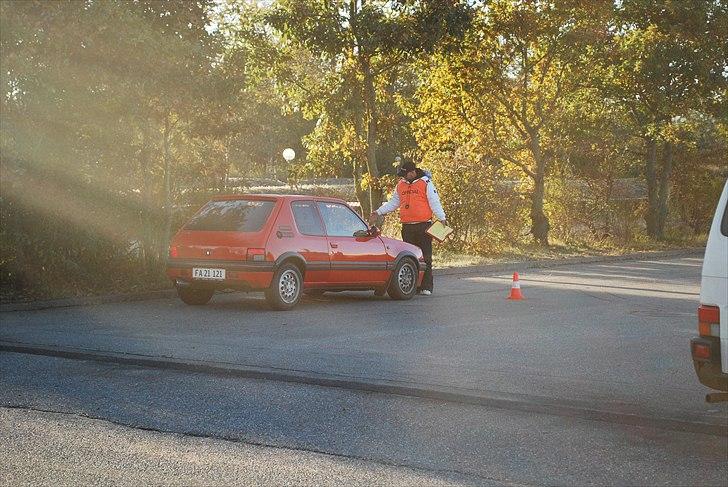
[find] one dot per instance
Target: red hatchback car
(285, 246)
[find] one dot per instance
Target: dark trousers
(416, 234)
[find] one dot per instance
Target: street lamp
(289, 154)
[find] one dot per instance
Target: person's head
(407, 170)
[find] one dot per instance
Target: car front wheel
(285, 289)
(404, 280)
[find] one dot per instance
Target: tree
(593, 184)
(248, 112)
(359, 42)
(94, 95)
(517, 69)
(666, 59)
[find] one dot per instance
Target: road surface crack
(243, 441)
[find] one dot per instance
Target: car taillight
(173, 252)
(256, 254)
(708, 320)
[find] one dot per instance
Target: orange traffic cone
(516, 289)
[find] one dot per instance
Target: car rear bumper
(708, 367)
(238, 275)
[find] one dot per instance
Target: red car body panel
(329, 262)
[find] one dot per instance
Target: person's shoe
(425, 292)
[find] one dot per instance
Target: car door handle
(333, 245)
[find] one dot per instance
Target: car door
(311, 241)
(355, 261)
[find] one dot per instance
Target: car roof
(285, 197)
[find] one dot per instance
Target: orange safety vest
(413, 204)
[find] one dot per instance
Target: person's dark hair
(406, 166)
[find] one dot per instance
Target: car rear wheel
(285, 289)
(195, 297)
(404, 280)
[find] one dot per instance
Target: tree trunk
(361, 194)
(167, 189)
(664, 195)
(539, 222)
(652, 190)
(370, 103)
(146, 213)
(226, 175)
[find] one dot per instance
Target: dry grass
(443, 257)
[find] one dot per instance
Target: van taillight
(256, 254)
(708, 320)
(173, 253)
(701, 351)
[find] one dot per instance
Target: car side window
(724, 223)
(307, 218)
(340, 220)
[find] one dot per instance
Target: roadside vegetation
(550, 128)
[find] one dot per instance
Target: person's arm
(435, 205)
(387, 207)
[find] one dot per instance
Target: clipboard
(439, 232)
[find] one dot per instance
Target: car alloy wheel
(288, 286)
(406, 278)
(403, 283)
(285, 288)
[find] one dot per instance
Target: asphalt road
(49, 448)
(601, 337)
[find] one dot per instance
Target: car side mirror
(370, 233)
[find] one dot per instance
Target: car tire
(195, 297)
(403, 284)
(286, 288)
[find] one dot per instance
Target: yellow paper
(439, 231)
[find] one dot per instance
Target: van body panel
(714, 292)
(715, 263)
(714, 283)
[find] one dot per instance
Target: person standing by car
(417, 200)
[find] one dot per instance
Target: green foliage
(665, 59)
(357, 46)
(701, 168)
(484, 206)
(113, 114)
(510, 81)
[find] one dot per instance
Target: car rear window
(232, 216)
(307, 218)
(724, 223)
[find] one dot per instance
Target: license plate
(205, 273)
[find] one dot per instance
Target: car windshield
(232, 216)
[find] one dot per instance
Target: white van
(710, 350)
